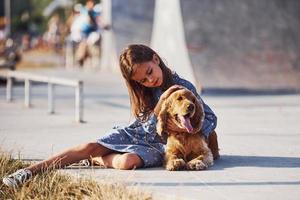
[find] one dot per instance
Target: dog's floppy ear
(161, 110)
(198, 118)
(162, 117)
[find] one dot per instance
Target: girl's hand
(170, 90)
(172, 126)
(170, 123)
(164, 96)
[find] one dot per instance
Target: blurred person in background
(86, 30)
(10, 54)
(52, 36)
(2, 28)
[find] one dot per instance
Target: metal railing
(52, 81)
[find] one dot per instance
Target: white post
(9, 90)
(168, 38)
(27, 93)
(79, 102)
(50, 98)
(109, 61)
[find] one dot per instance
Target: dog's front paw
(196, 165)
(176, 164)
(209, 159)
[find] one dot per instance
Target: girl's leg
(60, 160)
(70, 156)
(123, 161)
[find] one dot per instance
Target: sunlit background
(233, 45)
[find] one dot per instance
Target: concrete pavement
(259, 136)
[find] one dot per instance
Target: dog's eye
(179, 98)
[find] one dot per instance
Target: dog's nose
(191, 107)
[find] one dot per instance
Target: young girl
(136, 145)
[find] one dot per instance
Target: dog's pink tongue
(186, 123)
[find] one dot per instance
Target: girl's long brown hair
(142, 100)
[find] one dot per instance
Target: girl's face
(149, 74)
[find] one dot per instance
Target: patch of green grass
(57, 185)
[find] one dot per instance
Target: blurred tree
(26, 14)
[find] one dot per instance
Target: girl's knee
(91, 149)
(128, 161)
(88, 147)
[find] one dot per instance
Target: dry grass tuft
(55, 185)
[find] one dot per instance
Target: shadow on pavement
(230, 161)
(233, 183)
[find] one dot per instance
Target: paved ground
(259, 136)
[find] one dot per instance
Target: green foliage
(34, 10)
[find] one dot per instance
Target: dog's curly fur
(185, 149)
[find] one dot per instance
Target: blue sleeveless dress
(141, 137)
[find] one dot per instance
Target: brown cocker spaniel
(186, 147)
